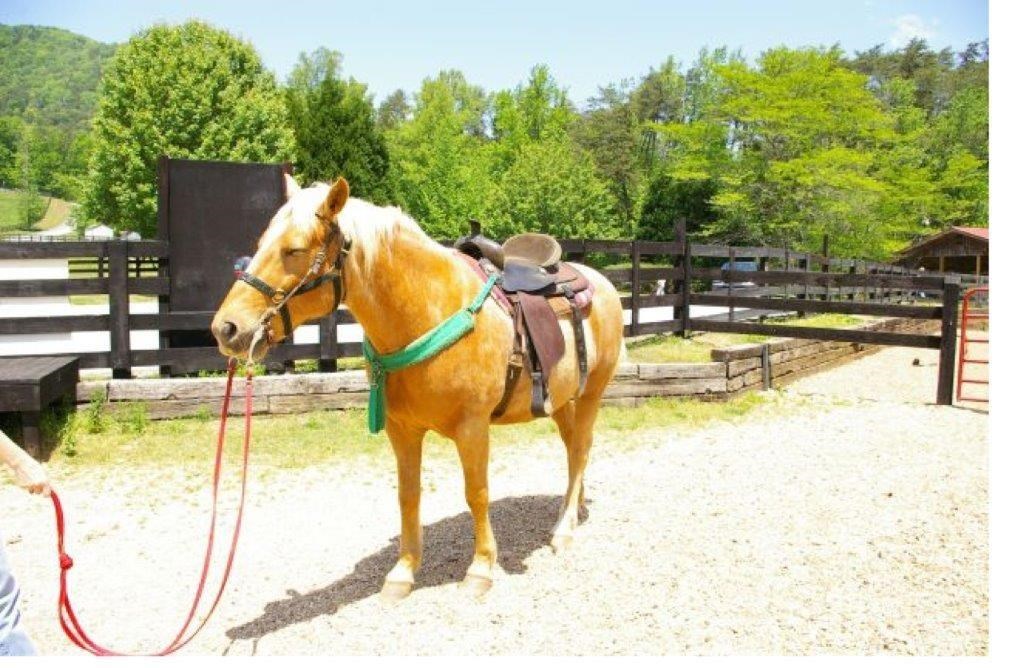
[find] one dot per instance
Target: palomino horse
(398, 284)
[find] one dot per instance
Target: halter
(279, 297)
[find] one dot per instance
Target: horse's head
(296, 275)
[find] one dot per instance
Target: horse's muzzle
(235, 339)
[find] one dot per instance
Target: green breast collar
(426, 346)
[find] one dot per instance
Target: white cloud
(910, 26)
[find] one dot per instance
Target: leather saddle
(537, 287)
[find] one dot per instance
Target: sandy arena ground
(846, 516)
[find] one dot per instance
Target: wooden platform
(29, 384)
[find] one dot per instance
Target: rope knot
(66, 562)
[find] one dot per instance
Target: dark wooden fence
(691, 275)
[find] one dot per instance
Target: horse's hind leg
(407, 442)
(575, 423)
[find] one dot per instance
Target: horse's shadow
(521, 526)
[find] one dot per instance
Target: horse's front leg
(407, 442)
(473, 443)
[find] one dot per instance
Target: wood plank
(60, 287)
(661, 247)
(821, 279)
(92, 360)
(646, 274)
(54, 324)
(607, 246)
(815, 306)
(680, 370)
(647, 301)
(31, 383)
(35, 250)
(695, 386)
(655, 327)
(821, 333)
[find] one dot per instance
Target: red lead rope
(69, 622)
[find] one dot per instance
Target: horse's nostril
(228, 329)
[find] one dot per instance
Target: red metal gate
(975, 310)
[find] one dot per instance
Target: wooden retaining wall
(732, 370)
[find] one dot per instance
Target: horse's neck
(409, 288)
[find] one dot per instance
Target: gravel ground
(845, 516)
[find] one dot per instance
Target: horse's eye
(294, 251)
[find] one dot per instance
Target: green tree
(335, 129)
(532, 112)
(689, 150)
(553, 187)
(441, 165)
(611, 132)
(393, 111)
(661, 95)
(189, 91)
(10, 136)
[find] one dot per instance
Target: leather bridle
(311, 281)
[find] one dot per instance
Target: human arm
(28, 473)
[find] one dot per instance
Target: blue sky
(395, 44)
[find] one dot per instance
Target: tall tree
(611, 131)
(553, 187)
(440, 163)
(393, 111)
(335, 130)
(189, 91)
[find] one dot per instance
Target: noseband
(311, 281)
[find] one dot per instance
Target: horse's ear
(336, 198)
(291, 186)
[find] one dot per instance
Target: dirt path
(847, 521)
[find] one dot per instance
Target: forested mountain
(51, 74)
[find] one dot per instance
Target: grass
(49, 211)
(56, 213)
(11, 213)
(101, 436)
(697, 349)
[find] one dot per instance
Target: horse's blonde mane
(369, 227)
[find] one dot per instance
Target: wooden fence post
(120, 332)
(635, 289)
(826, 266)
(728, 281)
(947, 349)
(681, 288)
(785, 287)
(328, 342)
(805, 265)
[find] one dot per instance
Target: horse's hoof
(394, 591)
(476, 586)
(560, 543)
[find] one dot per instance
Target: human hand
(32, 476)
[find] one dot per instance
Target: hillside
(53, 71)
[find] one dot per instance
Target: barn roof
(975, 233)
